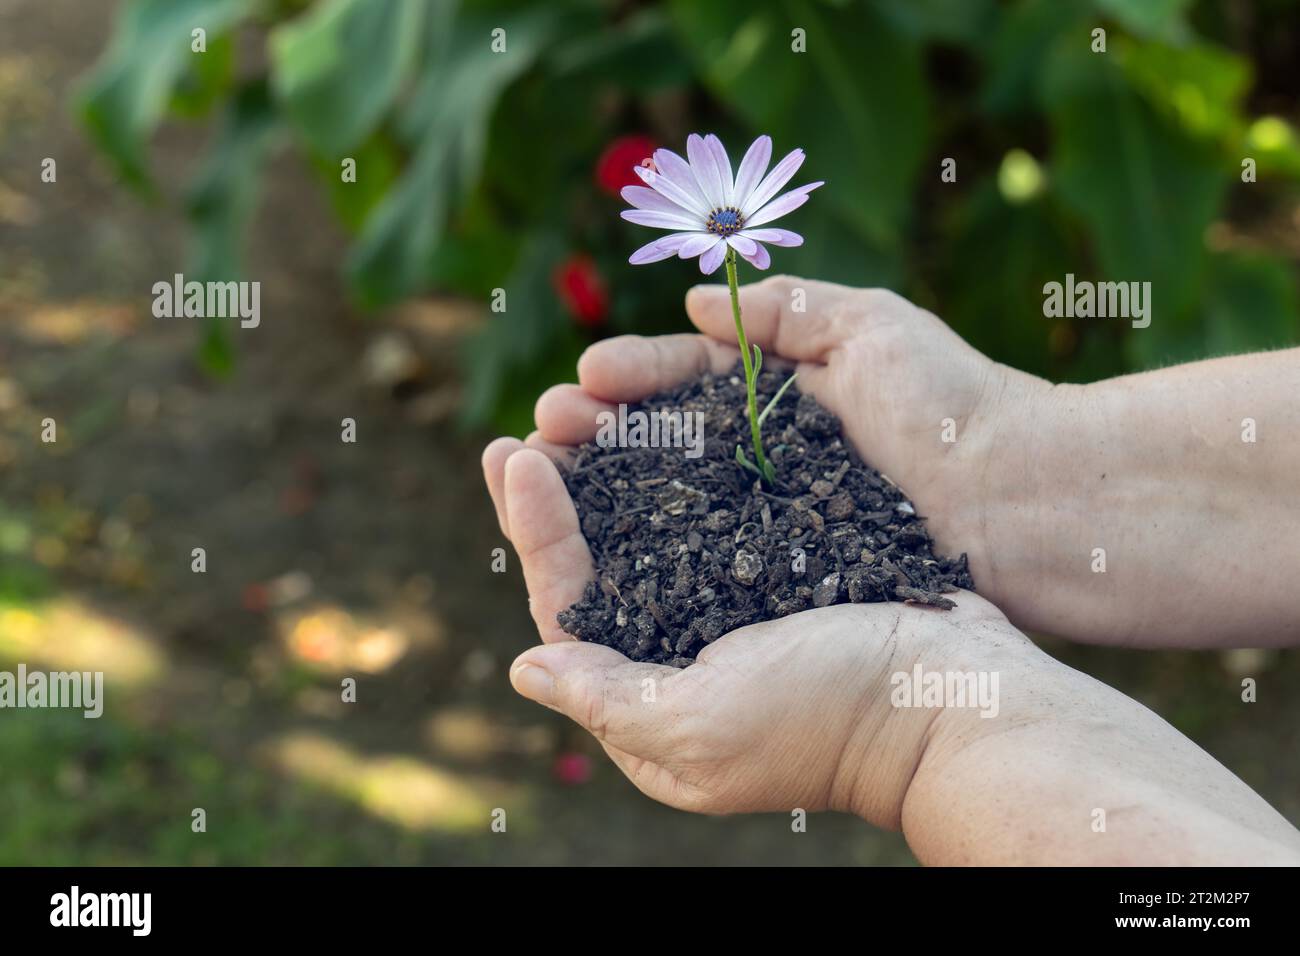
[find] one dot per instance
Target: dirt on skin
(688, 549)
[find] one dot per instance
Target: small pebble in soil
(689, 549)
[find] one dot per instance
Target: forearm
(1140, 511)
(1073, 772)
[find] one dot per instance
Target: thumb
(794, 318)
(617, 700)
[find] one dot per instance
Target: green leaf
(216, 351)
(762, 417)
(746, 463)
(1250, 303)
(125, 96)
(856, 101)
(564, 113)
(223, 196)
(1146, 191)
(513, 356)
(1019, 48)
(1000, 256)
(742, 52)
(758, 359)
(1158, 19)
(206, 80)
(639, 54)
(338, 67)
(448, 119)
(1197, 86)
(470, 261)
(378, 165)
(959, 22)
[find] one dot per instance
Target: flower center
(725, 222)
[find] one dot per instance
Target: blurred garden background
(492, 160)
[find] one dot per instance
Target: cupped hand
(793, 713)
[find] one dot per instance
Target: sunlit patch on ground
(69, 323)
(66, 635)
(470, 734)
(332, 639)
(17, 209)
(402, 790)
(25, 94)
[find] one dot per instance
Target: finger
(567, 415)
(544, 528)
(628, 368)
(561, 455)
(494, 475)
(799, 319)
(602, 691)
(818, 381)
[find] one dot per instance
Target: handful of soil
(689, 548)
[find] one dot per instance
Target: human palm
(777, 715)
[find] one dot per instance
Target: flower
(580, 287)
(614, 168)
(572, 768)
(710, 210)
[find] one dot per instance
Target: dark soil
(689, 549)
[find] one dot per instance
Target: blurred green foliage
(475, 165)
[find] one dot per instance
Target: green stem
(746, 356)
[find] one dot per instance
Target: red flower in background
(572, 769)
(614, 168)
(582, 290)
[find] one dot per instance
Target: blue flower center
(725, 222)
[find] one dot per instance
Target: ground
(323, 560)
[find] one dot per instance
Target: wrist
(943, 677)
(1032, 505)
(967, 782)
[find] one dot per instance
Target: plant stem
(746, 356)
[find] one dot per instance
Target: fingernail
(535, 683)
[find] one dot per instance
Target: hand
(793, 713)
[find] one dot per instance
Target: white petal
(678, 173)
(742, 244)
(722, 165)
(761, 259)
(772, 183)
(697, 245)
(710, 261)
(662, 248)
(776, 237)
(670, 190)
(785, 203)
(705, 169)
(751, 169)
(659, 220)
(644, 198)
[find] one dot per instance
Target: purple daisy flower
(710, 210)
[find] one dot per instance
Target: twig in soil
(917, 596)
